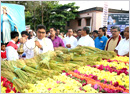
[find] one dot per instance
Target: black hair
(17, 41)
(79, 30)
(24, 32)
(95, 31)
(111, 26)
(41, 27)
(3, 44)
(72, 30)
(14, 34)
(103, 29)
(53, 28)
(116, 27)
(47, 31)
(86, 29)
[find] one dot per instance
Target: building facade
(90, 17)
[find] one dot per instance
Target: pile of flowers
(7, 86)
(106, 76)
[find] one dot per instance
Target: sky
(124, 5)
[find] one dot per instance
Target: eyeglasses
(41, 32)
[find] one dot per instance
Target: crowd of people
(43, 41)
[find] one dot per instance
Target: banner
(105, 14)
(16, 16)
(118, 19)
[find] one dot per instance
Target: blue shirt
(100, 42)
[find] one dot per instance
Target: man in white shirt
(11, 49)
(86, 40)
(70, 41)
(123, 46)
(41, 44)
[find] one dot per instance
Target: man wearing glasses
(114, 40)
(123, 46)
(40, 44)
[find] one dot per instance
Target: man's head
(115, 31)
(126, 33)
(3, 45)
(105, 28)
(25, 34)
(111, 29)
(101, 32)
(85, 31)
(58, 31)
(14, 36)
(31, 33)
(41, 31)
(70, 32)
(95, 33)
(79, 32)
(52, 31)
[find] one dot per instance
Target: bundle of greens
(21, 64)
(64, 50)
(44, 63)
(20, 85)
(31, 63)
(13, 67)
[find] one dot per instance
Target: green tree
(63, 13)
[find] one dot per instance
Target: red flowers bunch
(7, 84)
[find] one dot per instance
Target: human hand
(16, 27)
(38, 44)
(68, 46)
(22, 40)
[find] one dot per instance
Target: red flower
(8, 90)
(116, 84)
(14, 89)
(5, 84)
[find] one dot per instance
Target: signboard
(118, 19)
(105, 14)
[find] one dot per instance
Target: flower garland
(93, 82)
(122, 79)
(113, 64)
(111, 69)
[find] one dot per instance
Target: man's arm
(116, 51)
(62, 43)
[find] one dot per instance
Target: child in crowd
(3, 52)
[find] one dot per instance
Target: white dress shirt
(123, 47)
(30, 45)
(11, 53)
(70, 40)
(86, 41)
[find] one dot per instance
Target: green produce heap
(51, 63)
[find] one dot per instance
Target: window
(79, 22)
(68, 23)
(88, 21)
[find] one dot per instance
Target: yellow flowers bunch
(64, 85)
(121, 58)
(89, 89)
(114, 64)
(122, 79)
